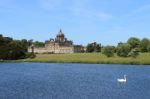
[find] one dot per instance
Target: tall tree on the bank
(148, 48)
(123, 49)
(144, 45)
(23, 43)
(134, 53)
(89, 48)
(30, 42)
(10, 49)
(15, 51)
(134, 42)
(93, 47)
(98, 48)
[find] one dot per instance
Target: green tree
(108, 51)
(98, 48)
(93, 47)
(5, 40)
(23, 43)
(30, 42)
(134, 42)
(148, 48)
(144, 45)
(89, 48)
(38, 44)
(134, 53)
(15, 51)
(123, 49)
(10, 49)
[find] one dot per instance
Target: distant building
(58, 45)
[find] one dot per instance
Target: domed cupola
(60, 33)
(60, 36)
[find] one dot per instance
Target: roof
(60, 33)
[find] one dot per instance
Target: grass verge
(89, 58)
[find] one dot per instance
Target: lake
(73, 81)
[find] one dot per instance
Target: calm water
(73, 81)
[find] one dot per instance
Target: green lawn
(98, 58)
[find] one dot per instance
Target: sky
(84, 21)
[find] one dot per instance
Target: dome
(60, 33)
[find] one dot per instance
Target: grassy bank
(93, 58)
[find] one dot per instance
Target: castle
(58, 45)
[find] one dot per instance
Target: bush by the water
(134, 53)
(123, 49)
(108, 51)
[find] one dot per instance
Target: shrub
(123, 50)
(134, 53)
(108, 51)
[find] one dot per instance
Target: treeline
(93, 47)
(38, 44)
(131, 48)
(11, 49)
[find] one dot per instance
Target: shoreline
(86, 58)
(18, 61)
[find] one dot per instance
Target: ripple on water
(73, 81)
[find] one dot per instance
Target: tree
(93, 47)
(15, 51)
(5, 40)
(134, 42)
(38, 44)
(98, 48)
(89, 48)
(134, 53)
(108, 51)
(30, 42)
(144, 45)
(23, 43)
(11, 51)
(148, 48)
(123, 49)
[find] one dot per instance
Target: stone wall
(53, 50)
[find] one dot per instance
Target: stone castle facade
(58, 45)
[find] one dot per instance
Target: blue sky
(83, 21)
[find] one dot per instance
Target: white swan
(122, 80)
